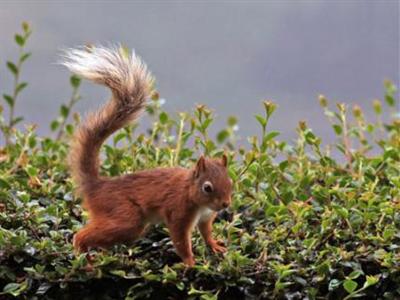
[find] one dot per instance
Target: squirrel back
(130, 83)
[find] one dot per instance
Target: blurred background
(227, 55)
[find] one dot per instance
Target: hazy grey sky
(228, 55)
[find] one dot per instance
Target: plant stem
(74, 98)
(347, 141)
(179, 143)
(15, 92)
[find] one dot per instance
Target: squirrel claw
(218, 247)
(189, 262)
(221, 243)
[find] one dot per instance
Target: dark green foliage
(302, 224)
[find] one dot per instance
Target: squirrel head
(213, 187)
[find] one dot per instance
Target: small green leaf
(377, 106)
(269, 108)
(15, 289)
(261, 120)
(232, 121)
(11, 288)
(370, 128)
(163, 118)
(371, 280)
(25, 27)
(25, 56)
(75, 81)
(69, 128)
(32, 141)
(180, 285)
(54, 125)
(222, 136)
(119, 136)
(19, 40)
(4, 184)
(287, 273)
(9, 100)
(337, 128)
(342, 211)
(205, 124)
(388, 233)
(12, 67)
(390, 100)
(271, 135)
(283, 165)
(32, 171)
(64, 111)
(119, 273)
(21, 86)
(334, 284)
(350, 285)
(355, 274)
(17, 120)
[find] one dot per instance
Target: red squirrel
(120, 208)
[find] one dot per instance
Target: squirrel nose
(225, 204)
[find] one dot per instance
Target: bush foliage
(302, 225)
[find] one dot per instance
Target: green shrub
(302, 224)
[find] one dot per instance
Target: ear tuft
(224, 160)
(200, 166)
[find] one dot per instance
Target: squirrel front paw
(189, 261)
(217, 246)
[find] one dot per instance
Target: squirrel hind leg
(105, 234)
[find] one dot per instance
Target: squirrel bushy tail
(131, 84)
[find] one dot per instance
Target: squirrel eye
(207, 187)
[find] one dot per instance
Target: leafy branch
(15, 69)
(65, 110)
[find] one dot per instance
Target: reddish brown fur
(121, 208)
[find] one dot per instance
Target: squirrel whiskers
(120, 208)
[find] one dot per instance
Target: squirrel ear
(200, 166)
(224, 160)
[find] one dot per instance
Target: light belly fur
(203, 215)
